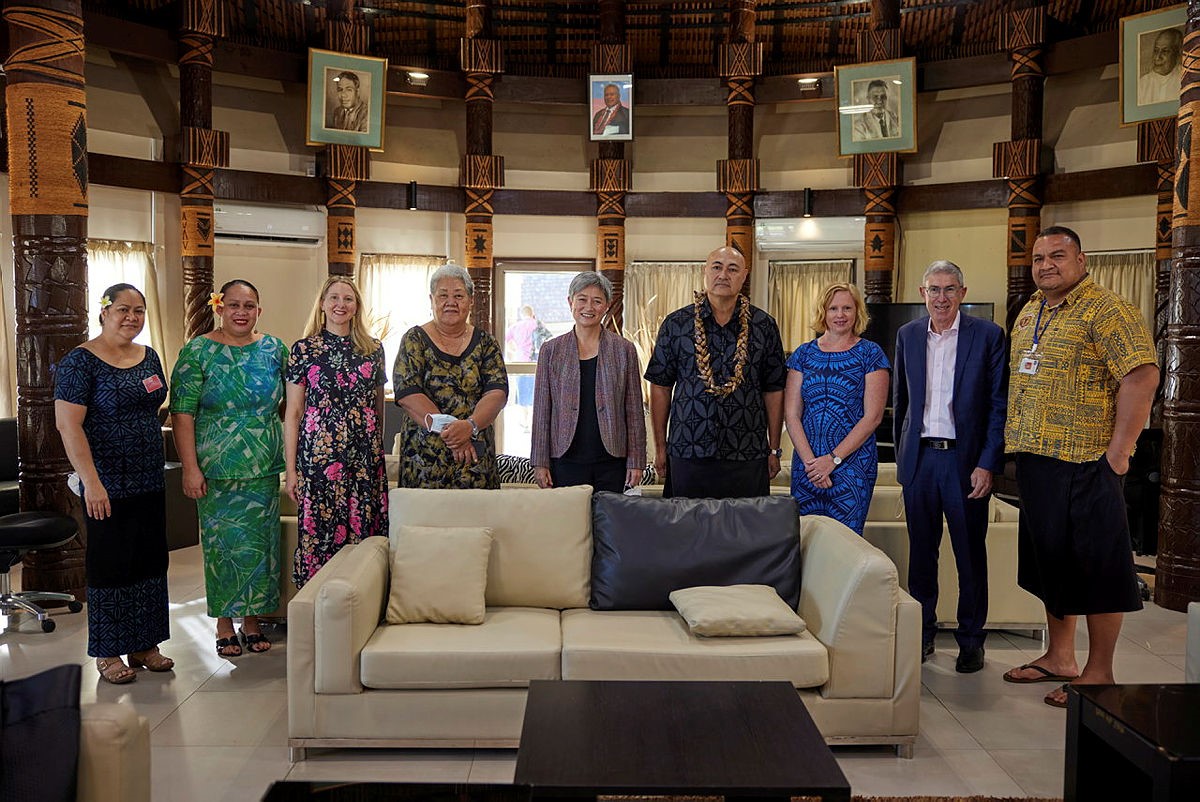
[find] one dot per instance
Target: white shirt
(1155, 88)
(940, 352)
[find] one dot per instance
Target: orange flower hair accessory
(215, 301)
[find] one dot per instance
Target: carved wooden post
(1156, 143)
(740, 61)
(201, 151)
(343, 166)
(480, 173)
(48, 195)
(879, 173)
(1177, 577)
(1019, 160)
(611, 175)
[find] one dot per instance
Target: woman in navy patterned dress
(333, 430)
(836, 390)
(106, 398)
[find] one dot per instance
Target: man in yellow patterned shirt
(1083, 376)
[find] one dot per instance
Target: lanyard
(1037, 334)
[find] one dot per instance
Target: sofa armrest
(848, 596)
(349, 606)
(114, 754)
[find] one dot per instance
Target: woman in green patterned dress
(226, 392)
(449, 378)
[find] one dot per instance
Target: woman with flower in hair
(106, 398)
(226, 392)
(333, 430)
(836, 390)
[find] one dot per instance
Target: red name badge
(152, 383)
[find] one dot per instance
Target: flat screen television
(886, 320)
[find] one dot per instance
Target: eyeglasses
(943, 292)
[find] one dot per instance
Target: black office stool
(32, 531)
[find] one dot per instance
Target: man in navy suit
(949, 386)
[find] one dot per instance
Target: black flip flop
(225, 643)
(252, 638)
(1047, 675)
(1054, 703)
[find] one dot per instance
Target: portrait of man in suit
(949, 392)
(349, 110)
(612, 120)
(880, 121)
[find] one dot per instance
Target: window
(395, 289)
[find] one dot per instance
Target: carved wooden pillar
(1177, 577)
(480, 173)
(740, 61)
(201, 151)
(342, 166)
(1156, 143)
(48, 196)
(1019, 160)
(879, 173)
(611, 174)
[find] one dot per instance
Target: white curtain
(118, 261)
(1130, 275)
(793, 290)
(395, 288)
(654, 290)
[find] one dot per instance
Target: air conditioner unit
(824, 234)
(269, 225)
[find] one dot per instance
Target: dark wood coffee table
(734, 739)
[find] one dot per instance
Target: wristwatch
(836, 459)
(776, 452)
(475, 428)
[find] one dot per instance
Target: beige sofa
(354, 681)
(1009, 606)
(114, 754)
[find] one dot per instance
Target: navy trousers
(939, 489)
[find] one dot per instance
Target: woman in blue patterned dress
(836, 390)
(226, 391)
(106, 398)
(333, 430)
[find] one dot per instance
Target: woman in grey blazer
(589, 425)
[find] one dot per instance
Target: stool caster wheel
(74, 606)
(48, 625)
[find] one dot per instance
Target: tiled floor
(219, 728)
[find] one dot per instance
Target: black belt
(937, 443)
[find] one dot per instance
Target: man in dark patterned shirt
(717, 373)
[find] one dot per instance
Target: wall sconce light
(808, 202)
(418, 78)
(412, 196)
(809, 87)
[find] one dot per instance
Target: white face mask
(435, 423)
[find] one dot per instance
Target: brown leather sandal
(151, 659)
(114, 670)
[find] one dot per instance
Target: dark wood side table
(323, 791)
(733, 739)
(1133, 742)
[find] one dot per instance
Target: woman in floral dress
(225, 395)
(455, 371)
(333, 430)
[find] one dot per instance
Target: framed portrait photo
(345, 99)
(1151, 69)
(610, 108)
(877, 107)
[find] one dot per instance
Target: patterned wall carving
(1016, 159)
(196, 49)
(879, 201)
(204, 147)
(740, 60)
(610, 58)
(204, 16)
(737, 176)
(879, 236)
(347, 163)
(1024, 27)
(1023, 225)
(481, 87)
(196, 236)
(611, 175)
(480, 55)
(614, 321)
(348, 36)
(879, 45)
(481, 172)
(340, 239)
(876, 170)
(1156, 140)
(47, 127)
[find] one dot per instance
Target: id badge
(1029, 363)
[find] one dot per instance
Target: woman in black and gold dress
(449, 378)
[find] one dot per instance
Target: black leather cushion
(39, 736)
(644, 548)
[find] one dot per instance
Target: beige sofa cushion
(736, 611)
(656, 645)
(439, 574)
(542, 541)
(512, 646)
